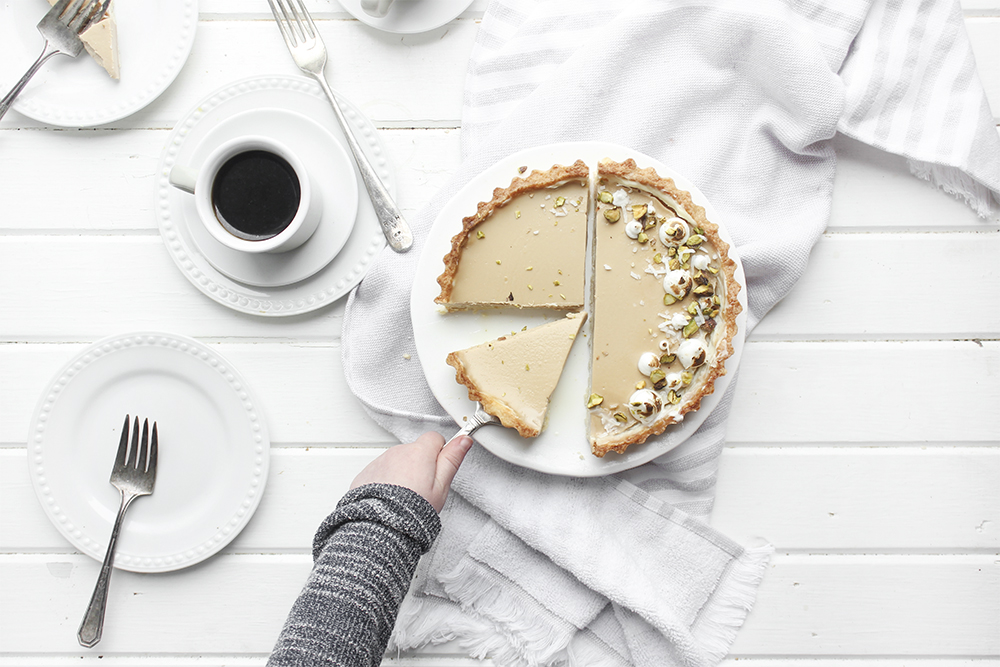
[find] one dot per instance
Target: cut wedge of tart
(526, 247)
(101, 41)
(663, 306)
(514, 376)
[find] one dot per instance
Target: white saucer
(331, 170)
(340, 275)
(407, 17)
(213, 449)
(563, 447)
(154, 40)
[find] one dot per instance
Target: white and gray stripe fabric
(743, 98)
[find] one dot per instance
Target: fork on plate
(309, 53)
(134, 475)
(61, 27)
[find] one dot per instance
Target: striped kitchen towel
(743, 98)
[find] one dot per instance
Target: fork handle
(47, 52)
(396, 230)
(92, 626)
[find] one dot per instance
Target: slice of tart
(514, 376)
(524, 248)
(101, 41)
(663, 306)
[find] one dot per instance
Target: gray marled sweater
(364, 556)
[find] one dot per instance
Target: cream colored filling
(522, 370)
(630, 318)
(529, 252)
(101, 41)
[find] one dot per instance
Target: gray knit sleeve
(364, 556)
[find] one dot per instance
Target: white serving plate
(563, 447)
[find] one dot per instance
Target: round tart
(663, 294)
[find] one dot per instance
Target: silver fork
(134, 475)
(480, 419)
(309, 53)
(61, 28)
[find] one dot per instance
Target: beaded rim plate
(344, 272)
(213, 454)
(154, 40)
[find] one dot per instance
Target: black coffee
(256, 195)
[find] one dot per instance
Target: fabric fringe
(515, 631)
(957, 183)
(727, 609)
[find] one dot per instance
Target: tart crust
(637, 430)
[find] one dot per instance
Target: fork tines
(293, 20)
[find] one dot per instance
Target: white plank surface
(864, 437)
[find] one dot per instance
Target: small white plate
(154, 40)
(330, 169)
(563, 447)
(213, 450)
(297, 95)
(407, 17)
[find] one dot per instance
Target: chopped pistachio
(524, 328)
(620, 417)
(713, 269)
(479, 234)
(605, 197)
(658, 378)
(560, 201)
(657, 258)
(594, 400)
(673, 264)
(703, 289)
(556, 283)
(671, 251)
(521, 170)
(693, 308)
(669, 299)
(530, 287)
(527, 367)
(673, 398)
(641, 384)
(694, 240)
(708, 327)
(667, 359)
(638, 211)
(690, 328)
(613, 214)
(642, 238)
(517, 214)
(686, 377)
(498, 261)
(715, 299)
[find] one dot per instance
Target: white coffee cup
(201, 183)
(376, 8)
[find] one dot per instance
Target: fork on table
(134, 475)
(309, 53)
(61, 27)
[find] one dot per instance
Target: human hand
(422, 466)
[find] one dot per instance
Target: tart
(663, 296)
(526, 247)
(664, 302)
(101, 41)
(514, 376)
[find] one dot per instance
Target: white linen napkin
(742, 98)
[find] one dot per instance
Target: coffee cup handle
(183, 178)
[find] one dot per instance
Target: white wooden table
(864, 440)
